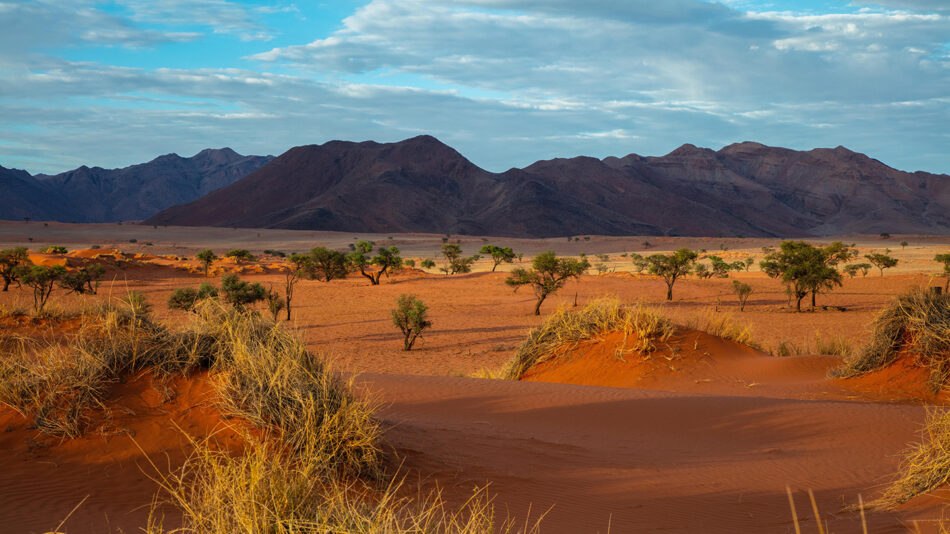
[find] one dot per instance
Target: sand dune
(646, 461)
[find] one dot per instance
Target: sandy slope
(43, 478)
(646, 461)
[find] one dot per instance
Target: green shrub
(239, 293)
(411, 318)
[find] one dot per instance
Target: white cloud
(505, 83)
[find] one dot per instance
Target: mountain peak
(688, 150)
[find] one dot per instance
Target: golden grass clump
(917, 321)
(566, 327)
(268, 491)
(926, 466)
(265, 375)
(721, 325)
(57, 384)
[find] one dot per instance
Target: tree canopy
(386, 259)
(671, 267)
(498, 255)
(548, 274)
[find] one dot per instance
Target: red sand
(648, 461)
(712, 453)
(43, 478)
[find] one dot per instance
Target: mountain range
(422, 185)
(131, 193)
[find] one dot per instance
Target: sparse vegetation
(882, 261)
(83, 280)
(742, 291)
(427, 264)
(639, 262)
(455, 263)
(187, 299)
(853, 269)
(239, 293)
(41, 279)
(411, 318)
(549, 273)
(239, 255)
(672, 267)
(386, 259)
(565, 327)
(806, 269)
(54, 249)
(498, 255)
(206, 257)
(10, 262)
(324, 264)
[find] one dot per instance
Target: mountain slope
(422, 185)
(131, 193)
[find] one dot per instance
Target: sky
(504, 82)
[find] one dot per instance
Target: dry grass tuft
(926, 466)
(722, 325)
(267, 490)
(565, 327)
(918, 322)
(57, 385)
(265, 375)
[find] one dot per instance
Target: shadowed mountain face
(422, 185)
(133, 193)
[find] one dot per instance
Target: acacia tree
(206, 257)
(945, 260)
(83, 280)
(805, 269)
(498, 255)
(327, 264)
(385, 259)
(42, 279)
(720, 267)
(411, 318)
(10, 260)
(882, 261)
(672, 267)
(743, 291)
(549, 273)
(455, 263)
(639, 262)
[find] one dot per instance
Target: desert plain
(703, 435)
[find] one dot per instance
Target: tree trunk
(798, 303)
(669, 291)
(493, 267)
(6, 284)
(813, 293)
(537, 307)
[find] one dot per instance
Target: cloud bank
(504, 82)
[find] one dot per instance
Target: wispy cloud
(506, 82)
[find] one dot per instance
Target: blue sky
(504, 82)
